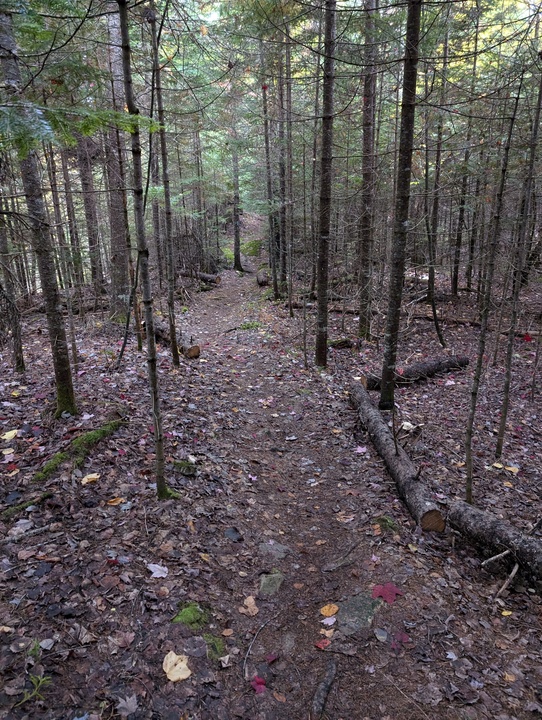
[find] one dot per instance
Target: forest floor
(296, 576)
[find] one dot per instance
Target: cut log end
(433, 521)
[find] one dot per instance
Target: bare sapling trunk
(170, 267)
(402, 202)
(143, 256)
(494, 237)
(326, 166)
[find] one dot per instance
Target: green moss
(185, 467)
(51, 465)
(78, 449)
(168, 494)
(81, 445)
(216, 647)
(191, 614)
(386, 523)
(16, 509)
(250, 325)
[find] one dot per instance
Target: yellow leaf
(512, 469)
(412, 548)
(329, 610)
(205, 557)
(176, 667)
(509, 677)
(92, 477)
(327, 633)
(13, 472)
(116, 501)
(336, 431)
(15, 393)
(497, 465)
(9, 435)
(235, 409)
(459, 464)
(508, 484)
(250, 608)
(8, 451)
(506, 613)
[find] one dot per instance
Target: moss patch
(16, 509)
(191, 614)
(185, 467)
(216, 647)
(250, 325)
(78, 449)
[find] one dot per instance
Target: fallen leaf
(92, 477)
(9, 435)
(116, 501)
(258, 683)
(279, 696)
(228, 632)
(512, 469)
(329, 610)
(387, 592)
(506, 613)
(158, 571)
(176, 666)
(322, 644)
(327, 633)
(127, 706)
(250, 608)
(328, 621)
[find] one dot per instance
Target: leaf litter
(289, 485)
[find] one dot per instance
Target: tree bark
(421, 371)
(495, 536)
(401, 223)
(9, 288)
(411, 489)
(325, 184)
(91, 213)
(39, 227)
(143, 252)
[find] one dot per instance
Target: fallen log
(411, 489)
(421, 371)
(206, 277)
(161, 333)
(494, 535)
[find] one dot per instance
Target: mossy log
(411, 488)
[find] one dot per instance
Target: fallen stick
(406, 476)
(421, 371)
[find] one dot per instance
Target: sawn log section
(411, 489)
(421, 371)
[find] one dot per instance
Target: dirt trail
(288, 505)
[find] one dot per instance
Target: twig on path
(258, 631)
(507, 581)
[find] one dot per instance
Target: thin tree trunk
(143, 253)
(368, 175)
(272, 216)
(91, 213)
(401, 223)
(325, 183)
(9, 288)
(494, 237)
(41, 238)
(519, 264)
(167, 193)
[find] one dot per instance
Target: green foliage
(216, 647)
(38, 684)
(252, 248)
(250, 325)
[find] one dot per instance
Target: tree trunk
(41, 238)
(91, 213)
(13, 316)
(170, 268)
(325, 183)
(369, 176)
(143, 253)
(401, 223)
(411, 489)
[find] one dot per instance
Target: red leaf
(271, 658)
(387, 592)
(527, 337)
(322, 644)
(258, 683)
